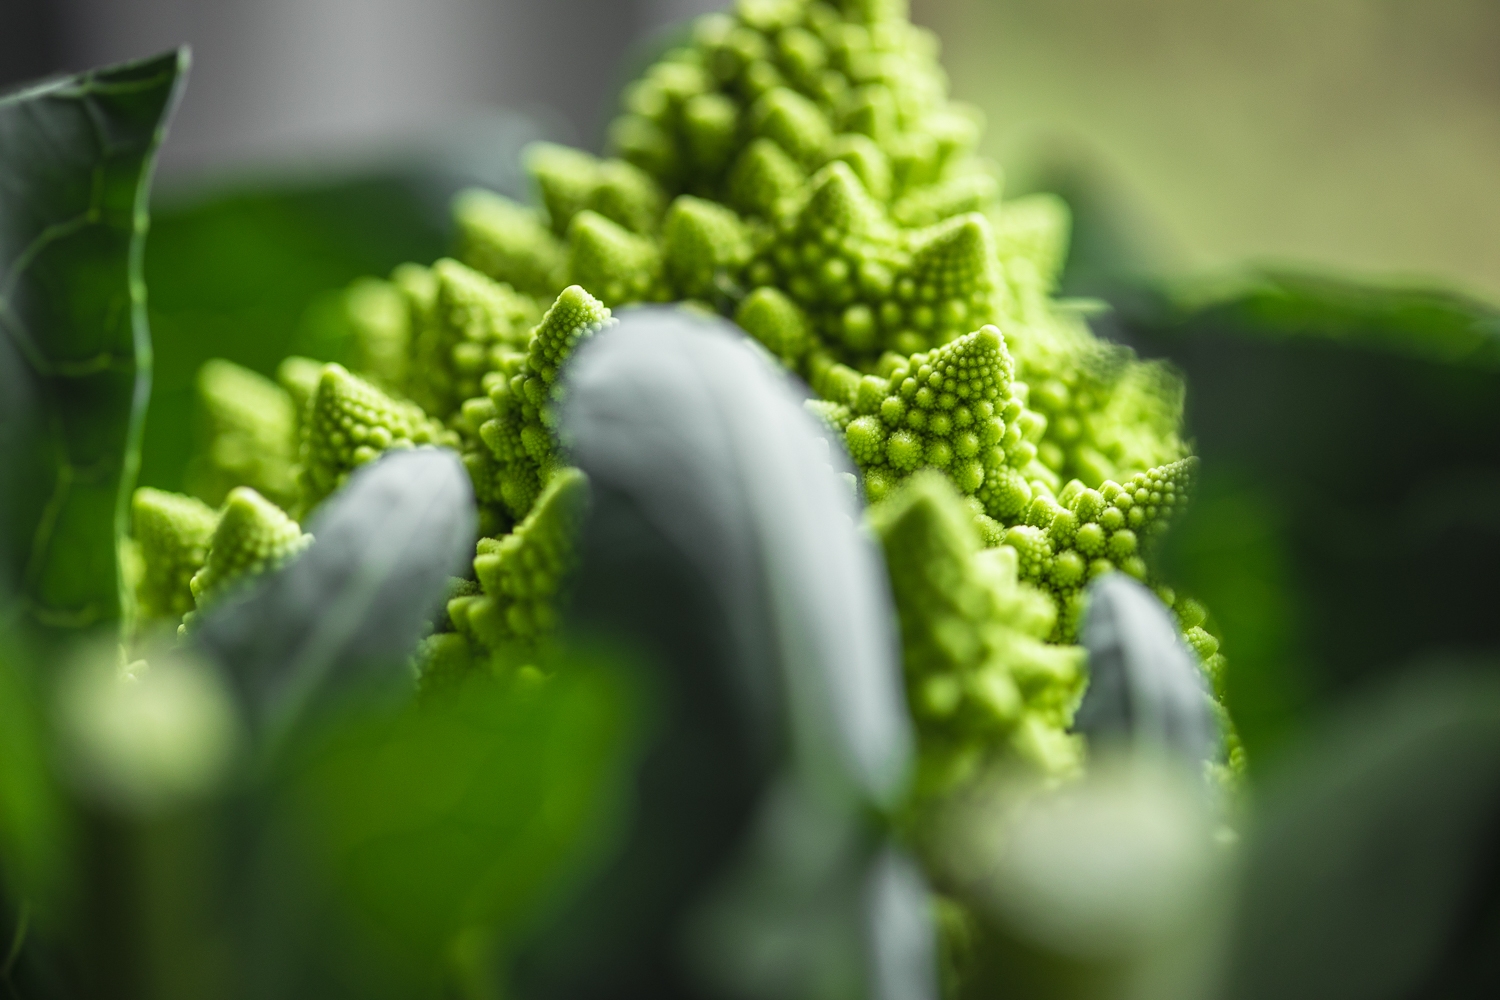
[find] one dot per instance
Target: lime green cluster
(799, 167)
(252, 435)
(514, 454)
(349, 423)
(1082, 533)
(979, 672)
(466, 326)
(173, 533)
(486, 359)
(1109, 415)
(522, 573)
(956, 409)
(252, 536)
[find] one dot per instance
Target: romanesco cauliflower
(795, 164)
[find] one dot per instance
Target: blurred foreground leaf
(76, 157)
(1107, 888)
(1370, 870)
(351, 608)
(722, 543)
(1348, 513)
(439, 831)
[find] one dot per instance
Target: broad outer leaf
(1369, 869)
(420, 837)
(76, 157)
(1347, 516)
(1144, 689)
(683, 416)
(723, 542)
(359, 597)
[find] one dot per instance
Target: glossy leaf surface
(76, 156)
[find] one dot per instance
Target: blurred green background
(1361, 136)
(1352, 137)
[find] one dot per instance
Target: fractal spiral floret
(798, 167)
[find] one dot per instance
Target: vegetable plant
(524, 639)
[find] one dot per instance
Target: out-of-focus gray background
(1358, 134)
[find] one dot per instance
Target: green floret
(252, 435)
(981, 677)
(473, 324)
(253, 536)
(350, 423)
(380, 317)
(1083, 533)
(870, 285)
(510, 243)
(952, 410)
(807, 79)
(514, 420)
(299, 377)
(778, 323)
(173, 532)
(616, 263)
(571, 181)
(1109, 415)
(705, 244)
(763, 179)
(960, 195)
(1031, 235)
(523, 574)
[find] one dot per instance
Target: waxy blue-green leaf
(723, 542)
(384, 549)
(1144, 689)
(76, 157)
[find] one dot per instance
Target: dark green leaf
(385, 546)
(75, 167)
(414, 845)
(1348, 513)
(1370, 868)
(31, 820)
